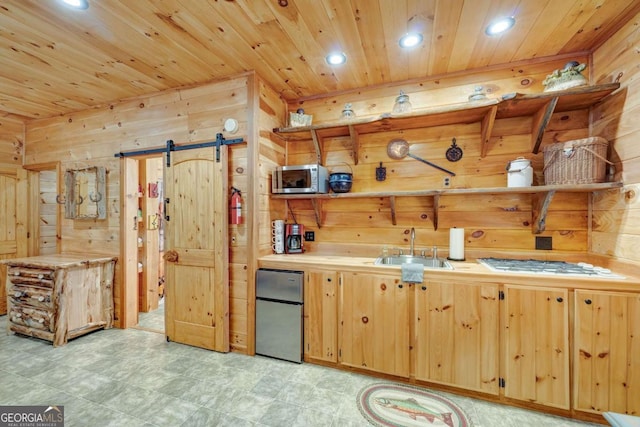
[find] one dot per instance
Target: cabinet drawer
(31, 276)
(31, 296)
(32, 317)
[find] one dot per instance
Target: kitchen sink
(428, 262)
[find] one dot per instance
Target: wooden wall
(13, 182)
(491, 222)
(11, 142)
(269, 112)
(186, 115)
(616, 216)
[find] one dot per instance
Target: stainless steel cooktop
(533, 266)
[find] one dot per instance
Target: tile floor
(133, 377)
(153, 320)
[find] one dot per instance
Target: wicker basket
(581, 161)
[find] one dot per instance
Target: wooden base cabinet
(321, 316)
(457, 334)
(536, 329)
(607, 352)
(375, 323)
(59, 297)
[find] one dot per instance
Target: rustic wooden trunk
(59, 297)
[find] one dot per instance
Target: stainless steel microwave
(300, 179)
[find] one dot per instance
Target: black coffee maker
(294, 240)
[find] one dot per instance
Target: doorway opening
(44, 209)
(149, 229)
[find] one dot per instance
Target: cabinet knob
(400, 285)
(424, 288)
(587, 301)
(329, 279)
(559, 299)
(365, 319)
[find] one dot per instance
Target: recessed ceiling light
(410, 40)
(336, 58)
(500, 26)
(77, 4)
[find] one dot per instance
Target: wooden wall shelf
(540, 106)
(543, 195)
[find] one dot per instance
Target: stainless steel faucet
(413, 241)
(435, 252)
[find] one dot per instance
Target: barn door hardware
(171, 146)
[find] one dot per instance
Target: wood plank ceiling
(56, 60)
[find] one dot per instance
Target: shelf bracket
(487, 129)
(317, 145)
(317, 210)
(355, 141)
(541, 207)
(539, 123)
(392, 205)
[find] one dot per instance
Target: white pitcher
(519, 173)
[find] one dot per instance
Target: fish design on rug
(413, 409)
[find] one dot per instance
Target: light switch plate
(309, 236)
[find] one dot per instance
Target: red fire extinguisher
(236, 206)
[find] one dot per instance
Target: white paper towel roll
(456, 244)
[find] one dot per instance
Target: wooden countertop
(58, 260)
(467, 270)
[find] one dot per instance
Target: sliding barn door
(196, 253)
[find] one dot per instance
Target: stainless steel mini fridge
(279, 299)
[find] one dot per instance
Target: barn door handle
(171, 256)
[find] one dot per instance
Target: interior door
(13, 232)
(196, 272)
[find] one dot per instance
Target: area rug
(399, 405)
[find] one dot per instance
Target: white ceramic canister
(519, 173)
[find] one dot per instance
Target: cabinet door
(321, 316)
(374, 323)
(536, 345)
(457, 333)
(607, 352)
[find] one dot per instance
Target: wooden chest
(59, 297)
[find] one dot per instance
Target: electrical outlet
(309, 236)
(544, 242)
(446, 181)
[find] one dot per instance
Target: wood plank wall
(12, 197)
(616, 216)
(269, 113)
(491, 222)
(11, 142)
(92, 137)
